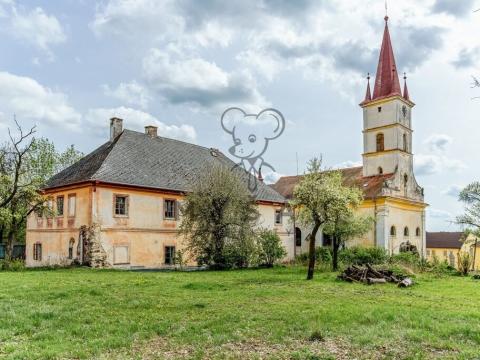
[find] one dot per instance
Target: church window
(379, 109)
(405, 147)
(405, 180)
(380, 142)
(417, 232)
(380, 170)
(298, 237)
(406, 232)
(393, 231)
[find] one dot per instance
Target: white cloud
(137, 120)
(28, 99)
(130, 93)
(438, 142)
(439, 214)
(271, 177)
(453, 191)
(434, 164)
(180, 79)
(348, 164)
(34, 27)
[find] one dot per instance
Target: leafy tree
(470, 196)
(270, 247)
(319, 197)
(26, 164)
(343, 223)
(218, 218)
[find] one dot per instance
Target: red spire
(406, 96)
(386, 78)
(368, 95)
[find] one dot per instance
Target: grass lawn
(272, 313)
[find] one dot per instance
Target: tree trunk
(336, 245)
(311, 255)
(9, 247)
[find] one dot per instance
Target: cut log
(376, 281)
(405, 282)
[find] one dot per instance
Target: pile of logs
(369, 275)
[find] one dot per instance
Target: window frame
(127, 205)
(37, 251)
(380, 142)
(418, 232)
(298, 236)
(406, 232)
(70, 196)
(71, 244)
(170, 255)
(175, 210)
(62, 198)
(393, 231)
(278, 216)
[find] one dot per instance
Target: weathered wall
(55, 233)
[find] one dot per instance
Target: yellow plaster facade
(138, 239)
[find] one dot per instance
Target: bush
(270, 248)
(464, 263)
(13, 265)
(358, 255)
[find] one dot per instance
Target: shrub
(270, 248)
(323, 256)
(359, 255)
(13, 265)
(464, 262)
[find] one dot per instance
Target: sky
(68, 66)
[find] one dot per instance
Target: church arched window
(298, 237)
(405, 144)
(405, 180)
(393, 231)
(406, 232)
(380, 142)
(417, 232)
(380, 170)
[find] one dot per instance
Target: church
(392, 196)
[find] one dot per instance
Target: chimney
(116, 127)
(151, 131)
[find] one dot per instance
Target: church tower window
(393, 231)
(380, 142)
(405, 145)
(417, 232)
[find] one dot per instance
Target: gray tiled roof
(134, 158)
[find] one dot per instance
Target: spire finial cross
(386, 11)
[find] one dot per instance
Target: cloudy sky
(68, 66)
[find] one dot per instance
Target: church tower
(387, 126)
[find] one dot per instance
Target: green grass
(82, 313)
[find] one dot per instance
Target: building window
(327, 240)
(121, 205)
(405, 145)
(298, 237)
(170, 207)
(50, 207)
(37, 252)
(169, 255)
(278, 217)
(379, 109)
(406, 232)
(380, 170)
(417, 232)
(70, 248)
(72, 203)
(380, 142)
(60, 201)
(393, 231)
